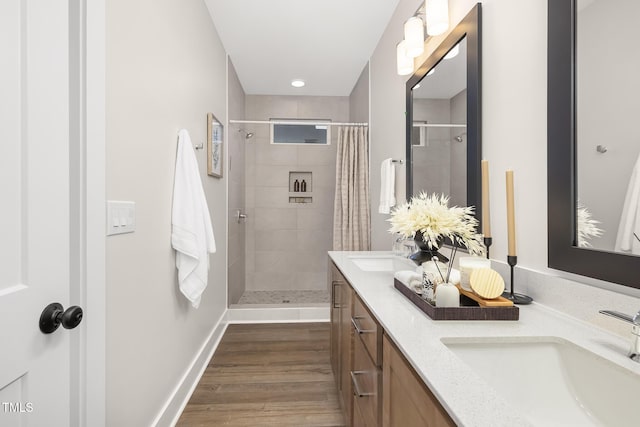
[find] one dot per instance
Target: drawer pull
(336, 304)
(357, 327)
(356, 386)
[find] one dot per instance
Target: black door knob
(55, 315)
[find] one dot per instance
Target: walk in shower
(281, 195)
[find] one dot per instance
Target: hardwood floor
(268, 375)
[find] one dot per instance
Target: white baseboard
(279, 314)
(180, 396)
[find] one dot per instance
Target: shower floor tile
(284, 297)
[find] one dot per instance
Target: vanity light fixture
(297, 83)
(437, 14)
(404, 61)
(414, 36)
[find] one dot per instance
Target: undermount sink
(552, 381)
(382, 263)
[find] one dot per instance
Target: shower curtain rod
(437, 125)
(292, 122)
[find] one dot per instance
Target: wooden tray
(468, 310)
(496, 302)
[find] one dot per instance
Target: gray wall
(159, 79)
(236, 147)
(359, 98)
(286, 243)
(514, 117)
(387, 125)
(607, 97)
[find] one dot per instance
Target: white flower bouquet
(431, 216)
(587, 227)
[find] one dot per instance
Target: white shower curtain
(351, 213)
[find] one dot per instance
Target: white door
(36, 256)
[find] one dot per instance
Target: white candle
(467, 265)
(486, 217)
(511, 220)
(447, 295)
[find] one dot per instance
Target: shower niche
(300, 187)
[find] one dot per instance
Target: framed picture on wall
(214, 146)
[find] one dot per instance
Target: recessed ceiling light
(297, 83)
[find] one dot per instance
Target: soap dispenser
(296, 186)
(303, 186)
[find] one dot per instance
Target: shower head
(247, 135)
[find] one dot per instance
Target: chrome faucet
(634, 350)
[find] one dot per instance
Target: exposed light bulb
(414, 36)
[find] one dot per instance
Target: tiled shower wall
(442, 159)
(287, 243)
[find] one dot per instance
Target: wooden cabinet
(342, 338)
(346, 349)
(367, 360)
(377, 386)
(406, 400)
(334, 291)
(365, 378)
(367, 328)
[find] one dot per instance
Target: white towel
(408, 277)
(191, 230)
(628, 239)
(387, 186)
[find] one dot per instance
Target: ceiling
(326, 43)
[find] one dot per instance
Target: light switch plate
(121, 217)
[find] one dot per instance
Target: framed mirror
(443, 139)
(593, 144)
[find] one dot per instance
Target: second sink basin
(382, 263)
(552, 381)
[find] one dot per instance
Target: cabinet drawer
(406, 400)
(365, 380)
(358, 418)
(368, 330)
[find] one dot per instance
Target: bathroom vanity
(394, 366)
(363, 357)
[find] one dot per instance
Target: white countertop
(468, 399)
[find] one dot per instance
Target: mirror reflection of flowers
(587, 226)
(432, 216)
